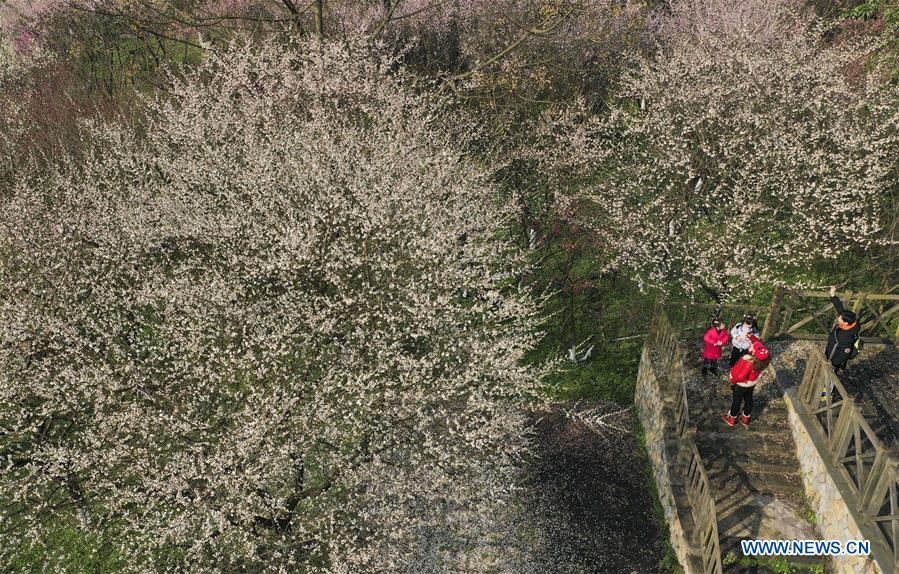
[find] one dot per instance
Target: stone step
(723, 396)
(720, 466)
(787, 485)
(744, 437)
(764, 422)
(728, 488)
(767, 430)
(724, 455)
(728, 492)
(743, 519)
(747, 456)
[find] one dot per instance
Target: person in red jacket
(715, 339)
(743, 377)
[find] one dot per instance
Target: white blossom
(234, 336)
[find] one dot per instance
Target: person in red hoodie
(743, 377)
(715, 339)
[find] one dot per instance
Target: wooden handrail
(826, 295)
(801, 314)
(869, 469)
(699, 493)
(757, 308)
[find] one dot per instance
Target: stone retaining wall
(831, 498)
(650, 410)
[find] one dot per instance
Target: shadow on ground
(591, 502)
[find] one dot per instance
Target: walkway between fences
(858, 455)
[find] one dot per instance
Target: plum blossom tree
(12, 125)
(17, 18)
(509, 51)
(741, 153)
(267, 328)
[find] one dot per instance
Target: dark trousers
(710, 365)
(736, 354)
(742, 395)
(837, 367)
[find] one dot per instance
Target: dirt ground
(872, 379)
(591, 501)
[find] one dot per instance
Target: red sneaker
(744, 420)
(731, 421)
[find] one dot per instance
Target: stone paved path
(753, 471)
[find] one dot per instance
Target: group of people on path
(749, 356)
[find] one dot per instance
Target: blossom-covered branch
(266, 330)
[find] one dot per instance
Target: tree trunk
(317, 16)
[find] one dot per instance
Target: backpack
(857, 346)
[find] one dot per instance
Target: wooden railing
(663, 336)
(800, 314)
(702, 503)
(665, 340)
(810, 315)
(695, 318)
(870, 470)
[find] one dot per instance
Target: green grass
(781, 565)
(610, 375)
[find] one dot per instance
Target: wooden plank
(810, 318)
(879, 468)
(880, 318)
(807, 387)
(756, 308)
(845, 295)
(773, 313)
(859, 463)
(865, 426)
(824, 327)
(859, 303)
(788, 316)
(817, 294)
(817, 337)
(865, 457)
(829, 406)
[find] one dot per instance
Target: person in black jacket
(841, 342)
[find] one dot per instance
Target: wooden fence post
(771, 321)
(859, 303)
(841, 430)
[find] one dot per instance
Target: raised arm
(836, 300)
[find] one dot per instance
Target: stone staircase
(753, 472)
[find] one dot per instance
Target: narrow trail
(754, 473)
